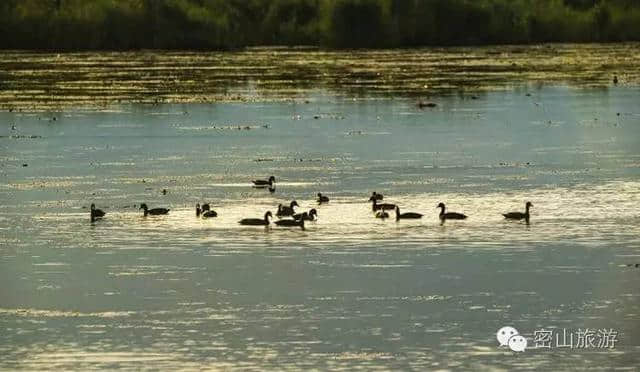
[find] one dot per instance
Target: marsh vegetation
(224, 24)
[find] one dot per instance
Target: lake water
(350, 291)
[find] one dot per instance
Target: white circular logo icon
(517, 343)
(504, 334)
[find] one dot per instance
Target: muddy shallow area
(51, 81)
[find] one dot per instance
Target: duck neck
(441, 210)
(526, 212)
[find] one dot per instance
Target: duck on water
(207, 212)
(449, 215)
(322, 198)
(519, 215)
(407, 215)
(154, 211)
(96, 213)
(265, 183)
(257, 221)
(284, 211)
(312, 215)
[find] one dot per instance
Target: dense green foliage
(223, 24)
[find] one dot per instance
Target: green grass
(226, 24)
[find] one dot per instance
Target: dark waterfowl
(256, 221)
(96, 213)
(376, 196)
(382, 214)
(264, 183)
(519, 215)
(449, 215)
(291, 223)
(408, 215)
(198, 210)
(154, 211)
(312, 215)
(322, 198)
(423, 104)
(209, 214)
(384, 206)
(284, 211)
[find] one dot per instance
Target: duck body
(519, 215)
(322, 198)
(406, 216)
(423, 104)
(209, 214)
(384, 206)
(264, 183)
(312, 215)
(154, 211)
(284, 211)
(291, 223)
(256, 221)
(449, 215)
(96, 213)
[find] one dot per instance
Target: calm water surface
(350, 291)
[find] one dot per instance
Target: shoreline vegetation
(76, 25)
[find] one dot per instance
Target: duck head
(272, 179)
(93, 206)
(143, 206)
(441, 205)
(313, 212)
(268, 215)
(529, 205)
(198, 209)
(294, 204)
